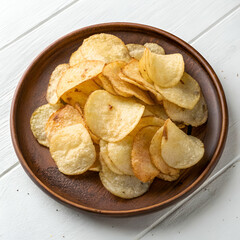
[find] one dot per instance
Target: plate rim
(192, 187)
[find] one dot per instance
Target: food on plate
(121, 111)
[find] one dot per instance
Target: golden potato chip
(155, 154)
(143, 66)
(105, 47)
(111, 117)
(185, 94)
(169, 178)
(147, 121)
(123, 186)
(107, 85)
(72, 149)
(96, 167)
(76, 57)
(164, 70)
(178, 149)
(135, 50)
(53, 82)
(105, 157)
(157, 111)
(195, 117)
(130, 73)
(80, 93)
(155, 48)
(142, 165)
(63, 117)
(98, 82)
(120, 154)
(121, 87)
(78, 74)
(39, 119)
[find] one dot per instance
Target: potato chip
(135, 50)
(78, 74)
(98, 82)
(76, 57)
(63, 117)
(105, 157)
(96, 167)
(111, 117)
(142, 165)
(120, 154)
(178, 149)
(185, 94)
(105, 47)
(157, 111)
(143, 66)
(169, 178)
(123, 186)
(107, 85)
(53, 82)
(39, 119)
(164, 70)
(72, 149)
(155, 48)
(147, 121)
(195, 117)
(130, 73)
(121, 87)
(155, 154)
(80, 93)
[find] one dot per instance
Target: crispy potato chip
(111, 117)
(157, 111)
(121, 87)
(178, 149)
(77, 75)
(123, 186)
(76, 57)
(96, 167)
(39, 119)
(143, 66)
(155, 48)
(105, 157)
(72, 149)
(105, 47)
(142, 165)
(63, 117)
(195, 117)
(130, 73)
(53, 82)
(147, 121)
(155, 154)
(169, 178)
(80, 93)
(98, 82)
(164, 70)
(107, 85)
(120, 154)
(185, 94)
(135, 50)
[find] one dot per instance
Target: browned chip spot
(181, 81)
(77, 90)
(69, 99)
(110, 107)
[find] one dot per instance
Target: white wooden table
(210, 26)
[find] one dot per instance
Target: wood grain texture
(15, 58)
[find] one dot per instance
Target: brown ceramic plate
(86, 191)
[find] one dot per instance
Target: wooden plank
(18, 17)
(14, 59)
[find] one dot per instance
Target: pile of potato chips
(118, 109)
